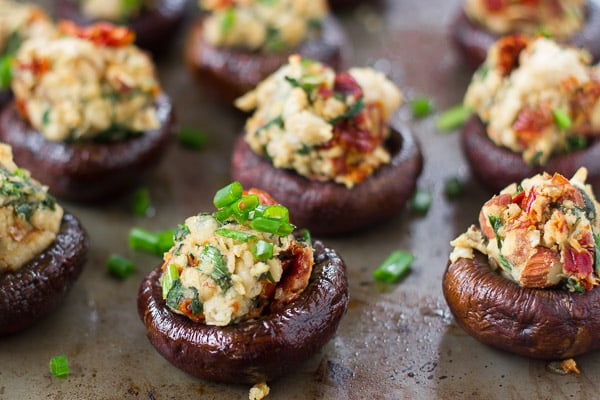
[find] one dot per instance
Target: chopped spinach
(220, 274)
(351, 112)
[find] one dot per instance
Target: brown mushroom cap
(549, 324)
(38, 287)
(255, 350)
(229, 73)
(5, 97)
(154, 28)
(87, 171)
(496, 167)
(473, 41)
(330, 208)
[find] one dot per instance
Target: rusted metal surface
(396, 341)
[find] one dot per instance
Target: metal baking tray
(396, 341)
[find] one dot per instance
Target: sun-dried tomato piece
(263, 197)
(296, 274)
(346, 84)
(531, 122)
(509, 49)
(101, 33)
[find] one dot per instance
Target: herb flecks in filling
(237, 263)
(323, 125)
(270, 26)
(91, 83)
(537, 97)
(29, 216)
(541, 233)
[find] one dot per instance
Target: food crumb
(259, 391)
(569, 365)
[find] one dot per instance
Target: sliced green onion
(169, 277)
(227, 20)
(228, 195)
(421, 107)
(141, 239)
(165, 242)
(285, 229)
(6, 63)
(223, 214)
(453, 118)
(394, 267)
(120, 267)
(235, 235)
(421, 200)
(268, 225)
(59, 366)
(277, 212)
(141, 202)
(562, 118)
(262, 250)
(192, 138)
(453, 187)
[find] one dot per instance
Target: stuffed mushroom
(320, 142)
(154, 22)
(236, 44)
(536, 109)
(526, 279)
(89, 117)
(43, 248)
(481, 22)
(18, 22)
(240, 298)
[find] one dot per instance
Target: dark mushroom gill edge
(39, 286)
(88, 171)
(330, 208)
(229, 73)
(154, 28)
(256, 350)
(473, 41)
(550, 324)
(496, 167)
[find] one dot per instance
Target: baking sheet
(396, 341)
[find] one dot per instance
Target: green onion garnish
(562, 118)
(192, 138)
(119, 267)
(421, 200)
(141, 202)
(154, 243)
(263, 224)
(228, 195)
(262, 250)
(169, 277)
(235, 235)
(277, 212)
(227, 20)
(59, 366)
(421, 107)
(453, 187)
(453, 118)
(394, 267)
(6, 63)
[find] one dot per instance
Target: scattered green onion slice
(421, 107)
(562, 118)
(262, 250)
(454, 117)
(120, 267)
(394, 267)
(421, 200)
(141, 239)
(169, 277)
(235, 235)
(141, 202)
(277, 212)
(59, 366)
(453, 187)
(228, 195)
(263, 224)
(192, 138)
(165, 241)
(6, 63)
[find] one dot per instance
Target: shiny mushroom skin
(329, 208)
(496, 167)
(88, 171)
(256, 350)
(473, 41)
(229, 73)
(38, 287)
(549, 324)
(154, 29)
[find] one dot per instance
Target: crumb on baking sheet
(259, 391)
